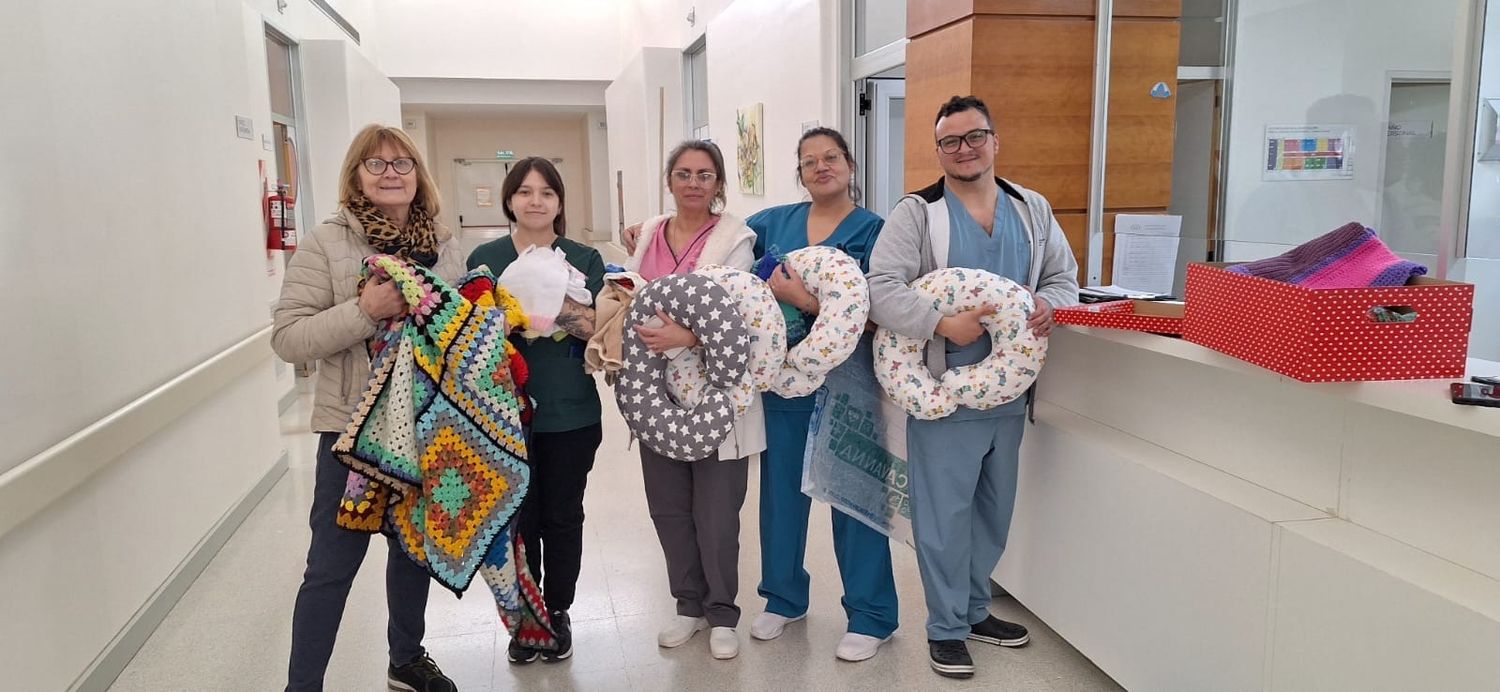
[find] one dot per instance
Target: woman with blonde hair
(388, 204)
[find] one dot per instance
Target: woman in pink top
(696, 505)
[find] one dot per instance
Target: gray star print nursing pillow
(685, 433)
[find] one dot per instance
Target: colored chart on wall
(1308, 152)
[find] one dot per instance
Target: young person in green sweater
(565, 430)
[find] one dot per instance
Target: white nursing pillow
(763, 321)
(686, 431)
(843, 297)
(1015, 359)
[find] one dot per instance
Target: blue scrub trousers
(864, 554)
(963, 481)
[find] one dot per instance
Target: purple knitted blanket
(1350, 256)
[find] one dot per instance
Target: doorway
(1415, 152)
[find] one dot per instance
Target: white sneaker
(768, 625)
(724, 643)
(859, 647)
(681, 629)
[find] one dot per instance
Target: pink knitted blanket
(1350, 256)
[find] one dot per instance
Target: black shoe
(520, 655)
(950, 658)
(563, 625)
(421, 675)
(999, 632)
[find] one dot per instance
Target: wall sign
(1308, 152)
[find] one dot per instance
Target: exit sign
(506, 155)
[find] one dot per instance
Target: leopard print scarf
(416, 242)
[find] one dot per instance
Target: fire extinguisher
(288, 225)
(281, 223)
(273, 220)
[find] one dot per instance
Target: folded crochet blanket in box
(1350, 256)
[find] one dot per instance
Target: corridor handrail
(36, 483)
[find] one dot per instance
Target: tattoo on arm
(576, 319)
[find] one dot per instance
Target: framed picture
(751, 150)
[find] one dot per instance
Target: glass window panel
(279, 69)
(878, 23)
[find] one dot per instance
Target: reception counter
(1193, 522)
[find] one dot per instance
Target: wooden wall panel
(1142, 129)
(944, 59)
(923, 16)
(1075, 226)
(1032, 62)
(1037, 76)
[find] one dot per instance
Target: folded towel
(1350, 256)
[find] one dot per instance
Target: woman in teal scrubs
(833, 218)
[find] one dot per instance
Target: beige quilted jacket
(318, 316)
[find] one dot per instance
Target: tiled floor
(232, 631)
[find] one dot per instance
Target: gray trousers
(696, 508)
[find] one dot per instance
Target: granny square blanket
(436, 445)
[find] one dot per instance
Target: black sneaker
(563, 626)
(950, 658)
(520, 655)
(421, 675)
(999, 632)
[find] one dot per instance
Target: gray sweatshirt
(914, 242)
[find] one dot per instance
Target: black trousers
(333, 559)
(551, 520)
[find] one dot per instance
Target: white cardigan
(730, 243)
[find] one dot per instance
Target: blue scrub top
(1006, 252)
(783, 229)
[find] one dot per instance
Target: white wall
(664, 24)
(134, 244)
(1319, 61)
(304, 21)
(544, 93)
(344, 93)
(504, 39)
(779, 53)
(770, 52)
(600, 180)
(552, 136)
(639, 137)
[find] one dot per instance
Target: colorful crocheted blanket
(1350, 256)
(436, 447)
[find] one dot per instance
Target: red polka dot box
(1134, 315)
(1412, 332)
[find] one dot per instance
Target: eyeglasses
(830, 159)
(402, 165)
(974, 138)
(684, 176)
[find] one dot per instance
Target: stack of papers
(1113, 292)
(1146, 252)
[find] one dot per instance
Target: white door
(1416, 146)
(481, 218)
(886, 146)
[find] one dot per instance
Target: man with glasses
(963, 467)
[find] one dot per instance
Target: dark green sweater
(566, 398)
